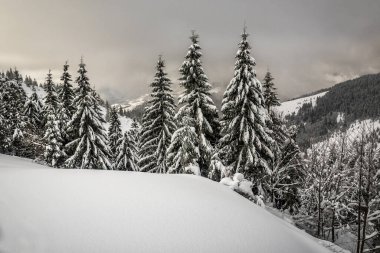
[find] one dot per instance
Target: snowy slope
(293, 106)
(351, 133)
(44, 209)
(133, 103)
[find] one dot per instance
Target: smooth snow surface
(51, 210)
(293, 106)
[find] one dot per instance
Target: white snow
(40, 91)
(44, 209)
(131, 104)
(239, 184)
(352, 133)
(340, 117)
(293, 106)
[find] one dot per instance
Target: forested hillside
(344, 103)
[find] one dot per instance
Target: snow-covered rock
(43, 209)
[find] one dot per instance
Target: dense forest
(356, 99)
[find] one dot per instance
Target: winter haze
(307, 45)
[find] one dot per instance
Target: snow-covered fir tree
(114, 133)
(269, 92)
(196, 102)
(33, 130)
(158, 123)
(245, 144)
(183, 153)
(53, 140)
(54, 153)
(66, 93)
(288, 174)
(33, 109)
(12, 101)
(126, 153)
(89, 148)
(65, 98)
(135, 131)
(50, 99)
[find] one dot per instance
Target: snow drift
(61, 210)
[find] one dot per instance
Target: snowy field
(293, 106)
(44, 209)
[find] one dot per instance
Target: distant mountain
(338, 107)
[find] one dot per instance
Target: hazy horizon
(307, 45)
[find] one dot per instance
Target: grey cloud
(307, 44)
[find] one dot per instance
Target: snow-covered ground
(293, 106)
(44, 209)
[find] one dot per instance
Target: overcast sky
(306, 44)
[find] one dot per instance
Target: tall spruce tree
(65, 97)
(65, 108)
(32, 110)
(135, 135)
(15, 98)
(12, 100)
(245, 144)
(269, 93)
(54, 153)
(66, 93)
(50, 99)
(89, 148)
(135, 131)
(114, 133)
(126, 153)
(196, 102)
(158, 123)
(53, 147)
(34, 131)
